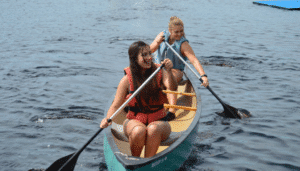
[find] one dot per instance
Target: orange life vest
(156, 110)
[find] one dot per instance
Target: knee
(153, 131)
(138, 133)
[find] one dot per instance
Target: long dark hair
(151, 89)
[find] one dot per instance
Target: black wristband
(204, 75)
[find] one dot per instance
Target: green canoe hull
(172, 161)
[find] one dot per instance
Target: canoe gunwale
(132, 163)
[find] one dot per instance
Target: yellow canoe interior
(186, 110)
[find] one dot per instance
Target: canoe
(172, 152)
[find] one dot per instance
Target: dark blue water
(62, 60)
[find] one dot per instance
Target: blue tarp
(293, 5)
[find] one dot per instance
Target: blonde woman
(176, 38)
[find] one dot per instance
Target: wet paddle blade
(243, 112)
(231, 112)
(60, 162)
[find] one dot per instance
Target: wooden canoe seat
(172, 138)
(180, 93)
(180, 107)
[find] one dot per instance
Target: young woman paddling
(176, 38)
(146, 118)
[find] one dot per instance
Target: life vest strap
(139, 110)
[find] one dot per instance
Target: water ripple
(62, 60)
(284, 165)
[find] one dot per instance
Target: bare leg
(136, 133)
(173, 97)
(156, 132)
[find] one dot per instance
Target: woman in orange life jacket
(176, 38)
(146, 119)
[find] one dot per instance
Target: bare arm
(169, 80)
(187, 51)
(156, 42)
(118, 101)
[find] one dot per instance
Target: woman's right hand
(104, 123)
(160, 38)
(168, 64)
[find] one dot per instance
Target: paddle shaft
(80, 150)
(116, 112)
(199, 77)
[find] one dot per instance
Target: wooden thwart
(180, 107)
(175, 92)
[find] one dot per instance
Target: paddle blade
(231, 112)
(244, 113)
(60, 162)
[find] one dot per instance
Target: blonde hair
(175, 21)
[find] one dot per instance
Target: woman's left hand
(205, 82)
(104, 123)
(168, 64)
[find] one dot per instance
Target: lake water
(62, 60)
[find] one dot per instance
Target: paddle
(68, 163)
(229, 111)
